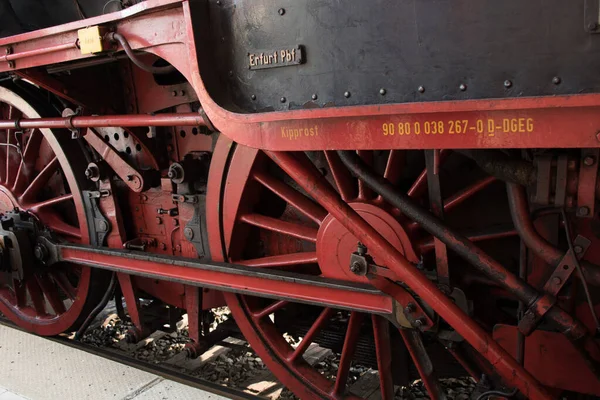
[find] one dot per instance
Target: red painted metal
(543, 349)
(506, 366)
(372, 302)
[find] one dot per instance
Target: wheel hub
(335, 244)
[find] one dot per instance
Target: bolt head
(40, 252)
(189, 233)
(382, 91)
(556, 80)
(410, 308)
(355, 267)
(103, 226)
(462, 87)
(556, 280)
(281, 11)
(507, 84)
(314, 96)
(583, 211)
(159, 220)
(589, 161)
(283, 99)
(253, 97)
(347, 94)
(578, 249)
(421, 89)
(420, 322)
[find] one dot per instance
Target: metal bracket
(586, 187)
(126, 172)
(99, 226)
(195, 230)
(557, 280)
(566, 266)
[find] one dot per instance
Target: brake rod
(228, 277)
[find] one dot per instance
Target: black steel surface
(389, 51)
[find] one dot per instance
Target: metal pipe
(519, 211)
(461, 245)
(38, 52)
(117, 37)
(105, 121)
(311, 180)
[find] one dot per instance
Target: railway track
(262, 384)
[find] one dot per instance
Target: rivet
(556, 80)
(218, 2)
(283, 99)
(314, 96)
(159, 220)
(189, 233)
(281, 11)
(382, 91)
(462, 87)
(589, 161)
(421, 89)
(253, 97)
(507, 84)
(347, 94)
(578, 249)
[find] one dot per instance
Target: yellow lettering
(529, 124)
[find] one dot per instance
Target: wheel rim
(42, 183)
(302, 238)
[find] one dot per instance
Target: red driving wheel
(36, 178)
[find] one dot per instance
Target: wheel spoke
(35, 208)
(393, 168)
(51, 295)
(497, 233)
(283, 227)
(302, 203)
(270, 309)
(383, 352)
(464, 194)
(64, 284)
(283, 260)
(28, 162)
(315, 328)
(20, 293)
(54, 222)
(35, 294)
(348, 350)
(414, 344)
(346, 184)
(38, 183)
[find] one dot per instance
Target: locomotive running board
(227, 277)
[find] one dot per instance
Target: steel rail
(228, 277)
(163, 372)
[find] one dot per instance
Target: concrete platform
(35, 368)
